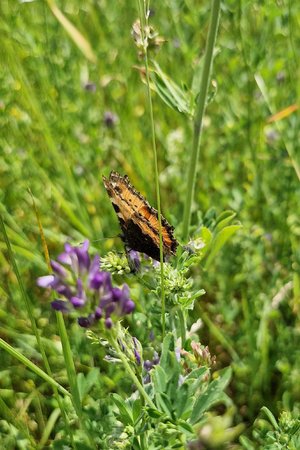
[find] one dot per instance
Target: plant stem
(200, 108)
(33, 367)
(71, 373)
(131, 373)
(144, 23)
(182, 321)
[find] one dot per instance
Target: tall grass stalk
(30, 102)
(200, 108)
(47, 376)
(144, 12)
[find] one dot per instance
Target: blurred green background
(66, 120)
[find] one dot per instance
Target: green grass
(54, 142)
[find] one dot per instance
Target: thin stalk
(182, 322)
(25, 298)
(200, 108)
(131, 373)
(28, 305)
(71, 372)
(33, 367)
(144, 23)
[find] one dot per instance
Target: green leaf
(173, 376)
(197, 374)
(124, 411)
(159, 378)
(185, 427)
(182, 398)
(271, 417)
(171, 94)
(167, 347)
(246, 443)
(224, 219)
(137, 409)
(163, 402)
(219, 241)
(212, 395)
(154, 413)
(85, 383)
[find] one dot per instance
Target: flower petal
(99, 279)
(95, 265)
(58, 269)
(83, 322)
(108, 323)
(134, 260)
(83, 257)
(77, 302)
(128, 307)
(60, 305)
(45, 281)
(62, 289)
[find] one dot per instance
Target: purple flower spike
(81, 284)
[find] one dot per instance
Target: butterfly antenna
(102, 239)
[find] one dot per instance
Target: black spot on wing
(116, 208)
(139, 241)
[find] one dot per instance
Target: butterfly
(138, 219)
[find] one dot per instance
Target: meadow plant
(143, 361)
(86, 288)
(174, 387)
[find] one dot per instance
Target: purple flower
(110, 119)
(134, 261)
(136, 352)
(149, 364)
(85, 288)
(45, 281)
(90, 86)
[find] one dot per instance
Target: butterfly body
(138, 219)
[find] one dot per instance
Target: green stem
(71, 373)
(144, 23)
(33, 367)
(28, 305)
(131, 373)
(207, 64)
(182, 321)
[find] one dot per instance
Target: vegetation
(209, 358)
